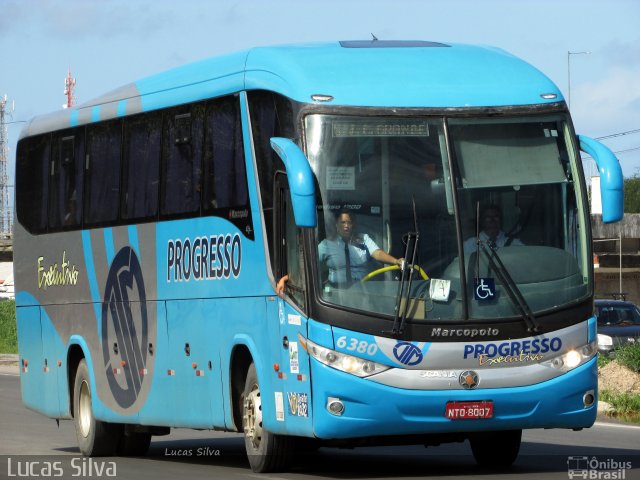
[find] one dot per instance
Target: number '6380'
(354, 345)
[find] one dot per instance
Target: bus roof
(372, 73)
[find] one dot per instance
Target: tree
(632, 194)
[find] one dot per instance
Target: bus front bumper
(373, 409)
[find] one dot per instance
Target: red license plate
(469, 410)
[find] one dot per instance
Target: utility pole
(5, 214)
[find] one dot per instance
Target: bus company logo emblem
(124, 326)
(469, 379)
(407, 353)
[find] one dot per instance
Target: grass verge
(8, 330)
(626, 405)
(629, 356)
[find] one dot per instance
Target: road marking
(615, 425)
(253, 475)
(10, 374)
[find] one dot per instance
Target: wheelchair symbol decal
(485, 289)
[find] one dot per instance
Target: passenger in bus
(491, 233)
(348, 254)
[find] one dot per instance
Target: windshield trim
(452, 112)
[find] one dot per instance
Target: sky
(108, 43)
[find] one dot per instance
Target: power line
(628, 150)
(618, 134)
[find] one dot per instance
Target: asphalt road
(30, 440)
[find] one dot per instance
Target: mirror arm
(611, 178)
(301, 181)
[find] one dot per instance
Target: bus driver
(347, 255)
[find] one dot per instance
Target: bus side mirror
(611, 179)
(301, 181)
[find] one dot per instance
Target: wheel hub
(84, 409)
(252, 417)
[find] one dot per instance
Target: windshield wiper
(410, 250)
(512, 289)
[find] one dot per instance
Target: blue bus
(153, 224)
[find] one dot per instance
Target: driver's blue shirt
(332, 252)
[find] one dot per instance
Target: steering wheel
(389, 268)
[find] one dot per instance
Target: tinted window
(32, 182)
(617, 314)
(182, 160)
(271, 116)
(142, 167)
(225, 183)
(102, 173)
(122, 171)
(65, 184)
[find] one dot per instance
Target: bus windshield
(509, 185)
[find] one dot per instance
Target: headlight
(573, 358)
(605, 340)
(340, 361)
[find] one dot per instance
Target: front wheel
(95, 438)
(267, 452)
(496, 449)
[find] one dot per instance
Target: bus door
(294, 408)
(192, 357)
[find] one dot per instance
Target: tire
(95, 438)
(266, 451)
(496, 449)
(134, 444)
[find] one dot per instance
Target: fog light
(588, 399)
(335, 406)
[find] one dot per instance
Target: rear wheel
(267, 452)
(496, 449)
(95, 438)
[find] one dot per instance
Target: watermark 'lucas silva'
(192, 452)
(78, 467)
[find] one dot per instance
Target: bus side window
(102, 173)
(141, 167)
(225, 184)
(182, 161)
(290, 256)
(295, 260)
(65, 185)
(271, 116)
(32, 175)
